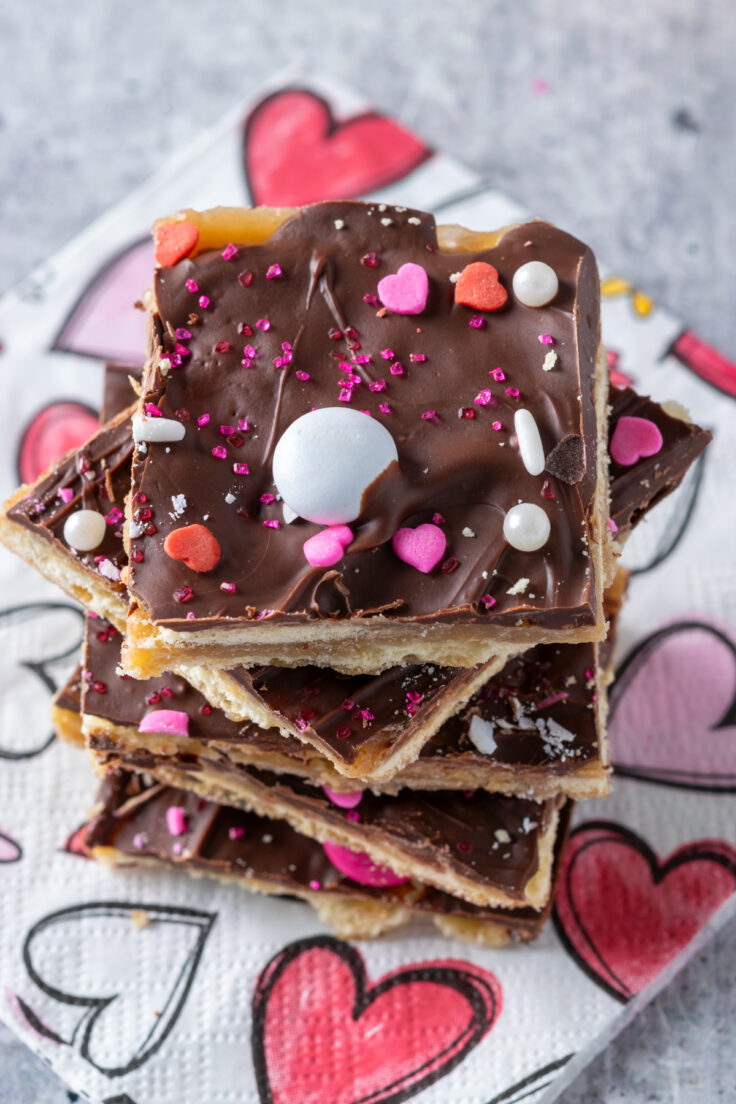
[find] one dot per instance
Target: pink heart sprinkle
(169, 722)
(344, 800)
(406, 291)
(326, 548)
(634, 438)
(422, 548)
(359, 867)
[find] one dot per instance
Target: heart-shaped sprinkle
(344, 800)
(405, 291)
(422, 548)
(478, 287)
(195, 546)
(168, 722)
(360, 868)
(634, 438)
(326, 548)
(174, 241)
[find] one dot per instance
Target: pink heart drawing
(323, 1033)
(10, 850)
(422, 548)
(405, 291)
(634, 438)
(326, 548)
(54, 429)
(104, 322)
(672, 715)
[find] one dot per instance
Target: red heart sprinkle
(174, 241)
(195, 546)
(478, 287)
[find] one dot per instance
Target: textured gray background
(632, 149)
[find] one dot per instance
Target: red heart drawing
(104, 323)
(672, 716)
(296, 152)
(624, 914)
(323, 1034)
(705, 361)
(56, 428)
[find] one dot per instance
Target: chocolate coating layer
(459, 467)
(230, 842)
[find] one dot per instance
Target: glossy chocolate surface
(455, 466)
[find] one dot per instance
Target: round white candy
(526, 527)
(156, 429)
(84, 530)
(535, 284)
(530, 443)
(325, 460)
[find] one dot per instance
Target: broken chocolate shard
(566, 461)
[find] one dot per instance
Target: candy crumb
(519, 586)
(140, 918)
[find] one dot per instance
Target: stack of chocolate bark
(349, 562)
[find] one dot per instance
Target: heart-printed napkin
(147, 987)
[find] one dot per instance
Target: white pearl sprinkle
(530, 442)
(526, 527)
(156, 429)
(84, 530)
(535, 284)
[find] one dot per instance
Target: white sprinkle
(454, 277)
(84, 530)
(481, 735)
(414, 220)
(109, 570)
(156, 429)
(530, 442)
(550, 361)
(519, 586)
(136, 529)
(142, 447)
(229, 498)
(205, 517)
(387, 222)
(267, 838)
(484, 574)
(164, 366)
(381, 206)
(339, 224)
(527, 824)
(400, 209)
(179, 504)
(502, 835)
(468, 532)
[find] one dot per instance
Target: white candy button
(530, 443)
(535, 284)
(526, 527)
(84, 530)
(156, 429)
(325, 460)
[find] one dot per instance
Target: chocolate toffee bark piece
(130, 827)
(536, 730)
(485, 848)
(446, 540)
(643, 481)
(69, 523)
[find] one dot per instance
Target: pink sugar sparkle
(267, 498)
(370, 300)
(353, 815)
(241, 468)
(191, 285)
(384, 408)
(227, 588)
(219, 452)
(263, 324)
(377, 385)
(345, 395)
(546, 339)
(497, 374)
(182, 350)
(417, 358)
(513, 392)
(243, 425)
(271, 523)
(498, 426)
(487, 600)
(430, 416)
(314, 884)
(235, 832)
(274, 272)
(612, 525)
(483, 397)
(222, 347)
(66, 494)
(438, 519)
(477, 322)
(204, 301)
(203, 419)
(229, 252)
(191, 616)
(152, 410)
(388, 354)
(113, 516)
(226, 430)
(301, 374)
(396, 369)
(182, 334)
(245, 278)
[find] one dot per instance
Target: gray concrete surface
(632, 149)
